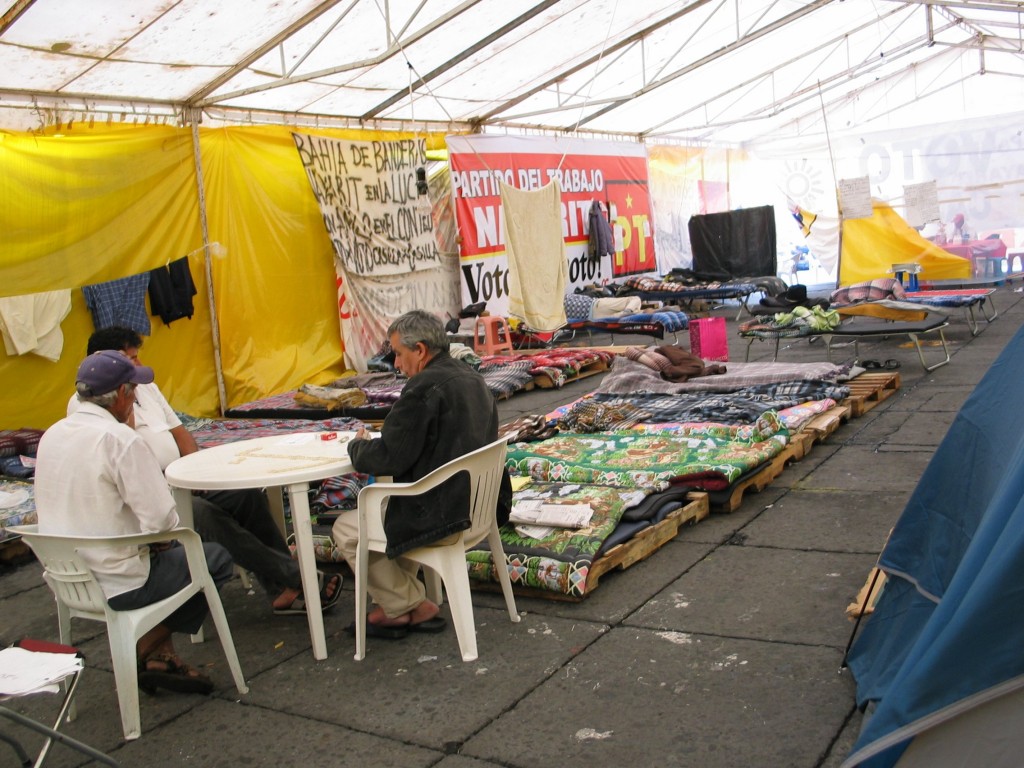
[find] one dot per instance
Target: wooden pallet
(870, 389)
(819, 428)
(649, 540)
(757, 482)
(622, 556)
(544, 381)
(509, 395)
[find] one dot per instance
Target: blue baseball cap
(106, 370)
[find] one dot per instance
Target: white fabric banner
(385, 252)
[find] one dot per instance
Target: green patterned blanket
(559, 562)
(628, 459)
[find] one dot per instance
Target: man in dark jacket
(445, 411)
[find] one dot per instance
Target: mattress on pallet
(634, 460)
(285, 406)
(212, 432)
(559, 364)
(560, 561)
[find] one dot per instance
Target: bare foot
(425, 611)
(380, 619)
(286, 598)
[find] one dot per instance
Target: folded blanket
(329, 397)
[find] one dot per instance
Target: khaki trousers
(392, 584)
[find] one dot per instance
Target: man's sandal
(298, 606)
(166, 671)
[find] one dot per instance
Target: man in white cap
(96, 477)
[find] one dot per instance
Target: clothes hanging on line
(171, 290)
(119, 302)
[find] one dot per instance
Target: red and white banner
(614, 173)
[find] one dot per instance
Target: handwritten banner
(386, 256)
(613, 173)
(367, 195)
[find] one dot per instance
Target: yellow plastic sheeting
(276, 289)
(101, 203)
(871, 246)
(90, 206)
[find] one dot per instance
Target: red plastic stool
(491, 342)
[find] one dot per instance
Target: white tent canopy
(705, 71)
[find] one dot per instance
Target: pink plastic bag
(708, 340)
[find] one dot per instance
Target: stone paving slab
(859, 467)
(779, 595)
(654, 697)
(855, 521)
(419, 691)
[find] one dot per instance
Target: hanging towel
(119, 302)
(171, 290)
(32, 323)
(537, 266)
(601, 240)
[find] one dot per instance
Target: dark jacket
(445, 411)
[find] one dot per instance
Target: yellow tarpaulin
(871, 246)
(103, 202)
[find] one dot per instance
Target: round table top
(264, 461)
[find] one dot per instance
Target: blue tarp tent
(948, 631)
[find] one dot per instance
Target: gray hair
(418, 326)
(106, 400)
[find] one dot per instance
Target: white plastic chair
(447, 561)
(78, 594)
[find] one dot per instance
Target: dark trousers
(168, 574)
(241, 522)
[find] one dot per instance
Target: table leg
(303, 529)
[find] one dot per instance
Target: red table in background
(986, 255)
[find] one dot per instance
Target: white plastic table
(288, 462)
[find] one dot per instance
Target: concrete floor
(721, 650)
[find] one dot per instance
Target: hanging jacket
(602, 242)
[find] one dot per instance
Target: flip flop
(433, 626)
(177, 677)
(376, 630)
(298, 606)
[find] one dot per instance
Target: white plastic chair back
(78, 594)
(446, 562)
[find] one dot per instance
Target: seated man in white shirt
(240, 520)
(95, 476)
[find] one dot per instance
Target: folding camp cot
(855, 327)
(968, 298)
(649, 289)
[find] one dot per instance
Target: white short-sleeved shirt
(96, 476)
(154, 420)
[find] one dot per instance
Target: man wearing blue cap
(96, 477)
(238, 519)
